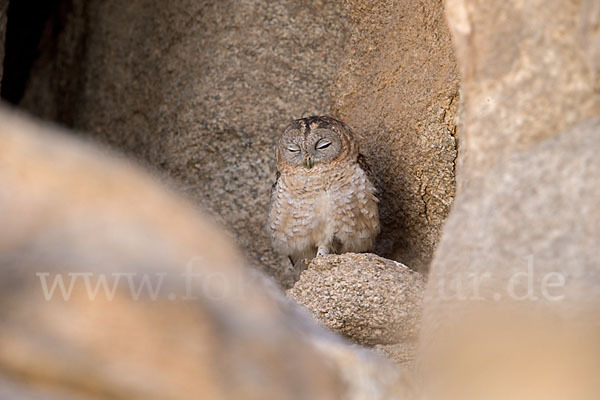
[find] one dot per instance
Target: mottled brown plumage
(323, 200)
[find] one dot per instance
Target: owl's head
(315, 141)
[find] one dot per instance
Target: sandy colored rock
(398, 89)
(530, 186)
(402, 354)
(511, 305)
(510, 355)
(529, 233)
(200, 90)
(529, 71)
(70, 210)
(369, 299)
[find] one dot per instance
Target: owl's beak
(308, 162)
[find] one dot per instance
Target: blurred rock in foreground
(512, 300)
(123, 324)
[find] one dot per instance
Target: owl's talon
(322, 251)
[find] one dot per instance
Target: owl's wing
(362, 162)
(277, 175)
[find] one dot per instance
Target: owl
(323, 200)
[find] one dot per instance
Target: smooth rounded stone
(528, 180)
(367, 298)
(521, 241)
(518, 87)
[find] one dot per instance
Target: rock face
(398, 88)
(528, 73)
(369, 299)
(201, 90)
(72, 212)
(522, 237)
(529, 189)
(528, 233)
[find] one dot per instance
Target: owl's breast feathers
(322, 206)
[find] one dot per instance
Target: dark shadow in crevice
(26, 22)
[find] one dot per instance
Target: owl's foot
(322, 251)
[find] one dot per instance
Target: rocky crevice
(203, 94)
